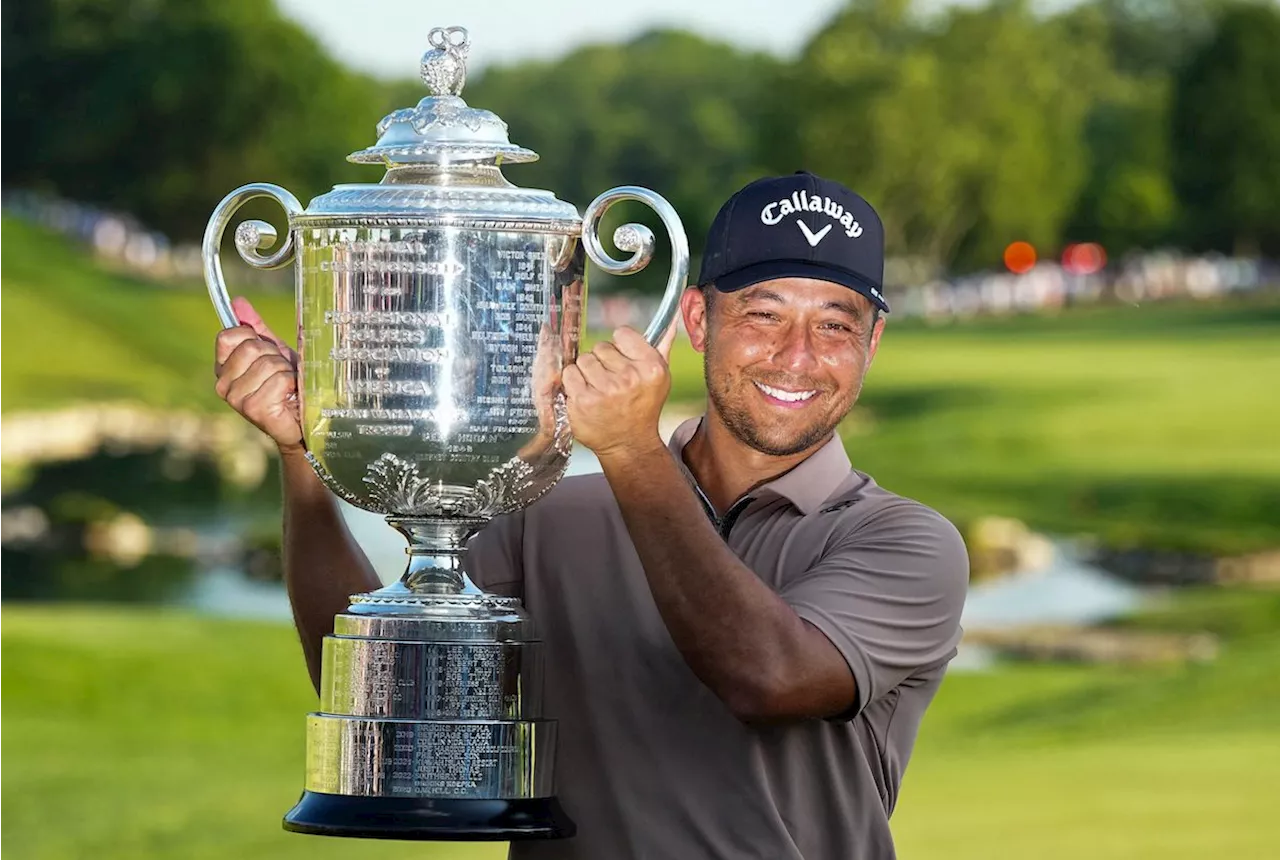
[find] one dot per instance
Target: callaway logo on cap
(800, 226)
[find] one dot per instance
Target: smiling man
(741, 632)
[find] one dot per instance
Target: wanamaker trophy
(436, 310)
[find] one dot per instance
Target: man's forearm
(737, 635)
(323, 564)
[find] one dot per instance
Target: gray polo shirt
(651, 764)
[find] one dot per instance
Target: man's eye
(835, 326)
(762, 315)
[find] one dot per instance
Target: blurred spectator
(119, 240)
(913, 289)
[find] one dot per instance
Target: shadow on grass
(1218, 514)
(1218, 696)
(1207, 514)
(904, 404)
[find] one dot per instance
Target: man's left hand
(616, 393)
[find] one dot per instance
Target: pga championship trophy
(436, 310)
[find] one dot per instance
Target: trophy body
(436, 311)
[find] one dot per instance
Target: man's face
(785, 359)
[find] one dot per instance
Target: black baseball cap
(798, 226)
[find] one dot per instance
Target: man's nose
(795, 351)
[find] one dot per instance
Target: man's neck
(725, 467)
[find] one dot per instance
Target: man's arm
(258, 377)
(739, 637)
(323, 564)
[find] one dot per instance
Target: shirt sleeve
(888, 596)
(494, 558)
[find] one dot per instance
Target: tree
(1226, 134)
(1152, 38)
(159, 107)
(963, 130)
(668, 110)
(1128, 200)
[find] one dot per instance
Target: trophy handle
(250, 238)
(638, 239)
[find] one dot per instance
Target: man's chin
(778, 442)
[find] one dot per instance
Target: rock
(1257, 569)
(1097, 645)
(124, 538)
(1002, 545)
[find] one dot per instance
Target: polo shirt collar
(806, 486)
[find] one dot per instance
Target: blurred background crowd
(1082, 203)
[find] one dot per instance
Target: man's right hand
(258, 376)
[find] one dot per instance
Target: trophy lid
(442, 128)
(444, 164)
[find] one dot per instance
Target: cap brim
(749, 276)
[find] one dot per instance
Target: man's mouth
(785, 396)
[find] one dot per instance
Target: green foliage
(965, 132)
(150, 734)
(1151, 38)
(1128, 198)
(969, 127)
(1226, 120)
(161, 108)
(668, 110)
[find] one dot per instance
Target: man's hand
(616, 393)
(258, 376)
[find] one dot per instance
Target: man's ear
(876, 332)
(693, 307)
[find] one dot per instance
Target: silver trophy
(436, 311)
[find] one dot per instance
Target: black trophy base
(425, 818)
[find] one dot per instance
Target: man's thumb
(248, 315)
(668, 340)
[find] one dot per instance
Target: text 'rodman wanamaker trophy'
(436, 310)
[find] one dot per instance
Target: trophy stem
(436, 547)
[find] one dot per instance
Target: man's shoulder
(873, 515)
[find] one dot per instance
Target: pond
(1065, 591)
(226, 591)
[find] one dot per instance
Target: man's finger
(609, 356)
(263, 368)
(631, 343)
(574, 383)
(249, 350)
(279, 387)
(668, 339)
(247, 314)
(227, 342)
(593, 372)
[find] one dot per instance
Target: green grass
(75, 332)
(1150, 425)
(154, 734)
(147, 734)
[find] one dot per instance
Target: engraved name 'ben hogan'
(799, 201)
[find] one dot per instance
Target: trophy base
(427, 818)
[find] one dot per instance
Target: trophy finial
(444, 67)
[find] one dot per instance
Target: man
(742, 632)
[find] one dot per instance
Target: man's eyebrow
(767, 295)
(850, 309)
(845, 307)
